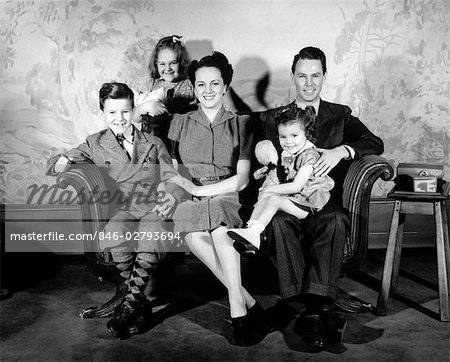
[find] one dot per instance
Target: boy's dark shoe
(129, 318)
(143, 321)
(335, 324)
(312, 329)
(123, 316)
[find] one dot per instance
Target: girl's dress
(178, 97)
(316, 192)
(208, 153)
(175, 95)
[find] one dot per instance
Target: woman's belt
(202, 180)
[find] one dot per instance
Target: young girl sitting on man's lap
(300, 192)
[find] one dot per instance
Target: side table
(424, 204)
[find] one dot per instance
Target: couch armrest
(358, 184)
(88, 183)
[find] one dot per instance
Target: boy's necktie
(121, 139)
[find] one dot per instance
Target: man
(308, 254)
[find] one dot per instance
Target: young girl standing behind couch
(169, 90)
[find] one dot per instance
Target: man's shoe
(311, 328)
(123, 316)
(144, 320)
(335, 324)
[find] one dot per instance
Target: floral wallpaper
(388, 60)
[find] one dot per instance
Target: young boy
(135, 166)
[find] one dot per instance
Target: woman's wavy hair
(216, 60)
(174, 43)
(306, 118)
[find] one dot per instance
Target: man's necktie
(311, 110)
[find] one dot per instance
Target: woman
(214, 146)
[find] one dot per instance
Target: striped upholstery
(87, 181)
(356, 198)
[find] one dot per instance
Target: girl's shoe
(246, 241)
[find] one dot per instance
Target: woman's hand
(186, 184)
(165, 206)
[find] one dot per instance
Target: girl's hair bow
(178, 39)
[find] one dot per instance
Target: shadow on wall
(256, 87)
(252, 78)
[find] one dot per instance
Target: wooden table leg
(445, 220)
(398, 252)
(383, 296)
(441, 261)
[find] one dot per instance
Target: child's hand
(157, 108)
(185, 184)
(260, 173)
(153, 108)
(165, 206)
(61, 164)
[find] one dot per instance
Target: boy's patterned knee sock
(124, 262)
(143, 268)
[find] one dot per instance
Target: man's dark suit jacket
(336, 126)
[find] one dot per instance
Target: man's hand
(61, 164)
(329, 159)
(165, 206)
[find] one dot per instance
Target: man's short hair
(310, 53)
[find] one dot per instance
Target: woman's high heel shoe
(256, 311)
(258, 316)
(242, 331)
(251, 328)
